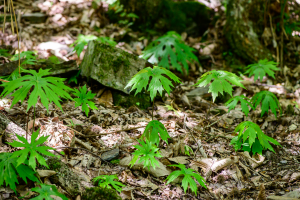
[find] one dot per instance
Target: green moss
(109, 61)
(99, 193)
(64, 175)
(54, 164)
(124, 100)
(118, 62)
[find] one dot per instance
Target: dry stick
(4, 20)
(282, 7)
(78, 148)
(99, 134)
(4, 80)
(274, 38)
(13, 9)
(216, 136)
(153, 108)
(190, 132)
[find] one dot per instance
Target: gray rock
(110, 155)
(35, 17)
(110, 66)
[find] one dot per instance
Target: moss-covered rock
(110, 66)
(99, 193)
(65, 177)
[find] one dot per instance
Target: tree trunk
(244, 27)
(167, 15)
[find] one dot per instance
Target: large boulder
(112, 67)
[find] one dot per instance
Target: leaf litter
(205, 127)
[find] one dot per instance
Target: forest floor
(204, 126)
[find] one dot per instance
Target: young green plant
(267, 100)
(252, 138)
(146, 154)
(222, 81)
(245, 102)
(10, 170)
(108, 181)
(170, 46)
(187, 178)
(83, 40)
(83, 99)
(262, 68)
(46, 191)
(48, 89)
(158, 84)
(22, 163)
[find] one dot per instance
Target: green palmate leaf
(267, 100)
(252, 138)
(245, 102)
(152, 129)
(262, 68)
(221, 82)
(29, 61)
(188, 150)
(107, 181)
(4, 53)
(46, 191)
(81, 42)
(187, 179)
(9, 171)
(74, 77)
(45, 88)
(24, 54)
(146, 154)
(158, 82)
(170, 49)
(107, 40)
(84, 99)
(13, 76)
(54, 59)
(32, 150)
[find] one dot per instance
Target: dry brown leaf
(106, 99)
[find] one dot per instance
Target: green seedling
(32, 150)
(108, 181)
(245, 102)
(146, 154)
(10, 170)
(45, 88)
(221, 82)
(83, 99)
(151, 132)
(267, 100)
(46, 191)
(170, 49)
(262, 68)
(83, 40)
(157, 84)
(188, 150)
(187, 179)
(251, 138)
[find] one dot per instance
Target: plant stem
(153, 108)
(33, 119)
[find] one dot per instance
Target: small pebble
(283, 161)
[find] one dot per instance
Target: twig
(78, 148)
(4, 80)
(128, 129)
